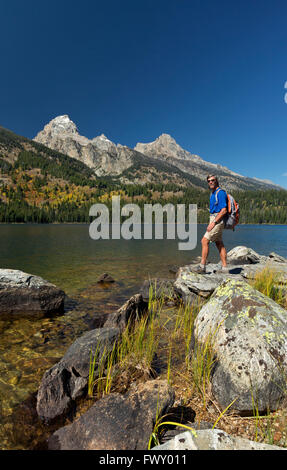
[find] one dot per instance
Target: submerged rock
(117, 422)
(248, 334)
(23, 294)
(67, 380)
(105, 278)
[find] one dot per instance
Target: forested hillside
(40, 185)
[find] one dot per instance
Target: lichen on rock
(249, 338)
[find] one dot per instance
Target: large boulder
(23, 294)
(244, 255)
(67, 380)
(117, 422)
(248, 334)
(243, 263)
(190, 285)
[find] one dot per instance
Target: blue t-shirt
(221, 198)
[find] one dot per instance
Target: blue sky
(210, 73)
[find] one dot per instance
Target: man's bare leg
(204, 254)
(204, 251)
(222, 253)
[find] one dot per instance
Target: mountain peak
(62, 124)
(166, 138)
(165, 146)
(61, 118)
(61, 133)
(99, 153)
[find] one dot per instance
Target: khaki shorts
(215, 235)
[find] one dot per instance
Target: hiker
(218, 209)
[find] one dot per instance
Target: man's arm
(221, 214)
(218, 218)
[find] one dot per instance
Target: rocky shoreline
(29, 295)
(250, 346)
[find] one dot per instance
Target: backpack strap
(216, 192)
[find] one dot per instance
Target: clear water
(68, 257)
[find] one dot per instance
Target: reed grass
(201, 364)
(133, 353)
(154, 439)
(269, 282)
(92, 370)
(137, 348)
(168, 332)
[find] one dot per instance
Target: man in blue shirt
(218, 209)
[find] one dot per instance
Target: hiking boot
(223, 269)
(200, 270)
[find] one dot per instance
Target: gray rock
(23, 294)
(117, 422)
(159, 288)
(243, 263)
(67, 380)
(277, 258)
(244, 255)
(248, 333)
(279, 269)
(190, 284)
(212, 439)
(128, 313)
(173, 268)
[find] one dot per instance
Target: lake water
(66, 256)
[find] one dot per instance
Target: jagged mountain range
(41, 185)
(162, 160)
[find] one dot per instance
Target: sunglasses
(211, 181)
